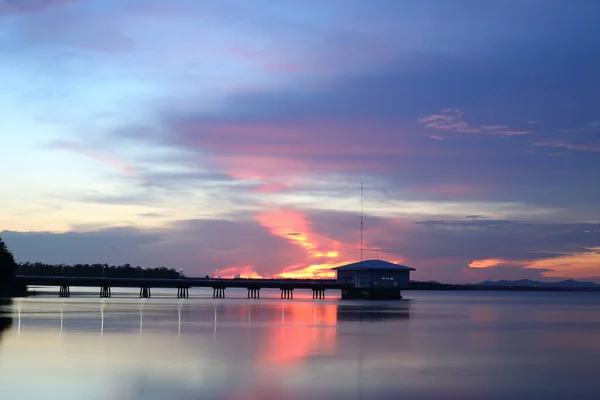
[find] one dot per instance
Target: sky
(232, 137)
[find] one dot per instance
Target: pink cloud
(437, 137)
(276, 152)
(243, 271)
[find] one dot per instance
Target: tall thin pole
(361, 222)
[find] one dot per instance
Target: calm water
(454, 345)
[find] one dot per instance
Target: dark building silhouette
(374, 279)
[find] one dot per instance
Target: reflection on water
(5, 316)
(436, 346)
(373, 311)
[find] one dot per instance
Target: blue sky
(232, 136)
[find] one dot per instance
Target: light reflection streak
(179, 321)
(215, 325)
(19, 322)
(141, 317)
(102, 305)
(61, 319)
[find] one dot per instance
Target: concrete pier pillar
(218, 293)
(254, 293)
(287, 293)
(145, 292)
(183, 293)
(105, 291)
(318, 293)
(64, 291)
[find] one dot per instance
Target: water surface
(437, 345)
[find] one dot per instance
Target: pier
(219, 286)
(367, 279)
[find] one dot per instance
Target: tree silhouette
(7, 264)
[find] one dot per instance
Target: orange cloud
(576, 265)
(320, 251)
(492, 262)
(580, 265)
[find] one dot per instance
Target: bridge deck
(180, 283)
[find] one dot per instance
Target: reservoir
(431, 345)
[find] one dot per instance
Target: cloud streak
(98, 156)
(451, 119)
(569, 146)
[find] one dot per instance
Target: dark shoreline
(474, 287)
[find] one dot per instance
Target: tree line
(9, 268)
(96, 270)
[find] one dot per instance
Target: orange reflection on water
(302, 330)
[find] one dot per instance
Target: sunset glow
(578, 265)
(293, 227)
(228, 144)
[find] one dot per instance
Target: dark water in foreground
(454, 345)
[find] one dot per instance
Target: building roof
(373, 265)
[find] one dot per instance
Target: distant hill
(569, 283)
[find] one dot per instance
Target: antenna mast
(361, 222)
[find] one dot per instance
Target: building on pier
(373, 279)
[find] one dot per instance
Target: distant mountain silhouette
(569, 283)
